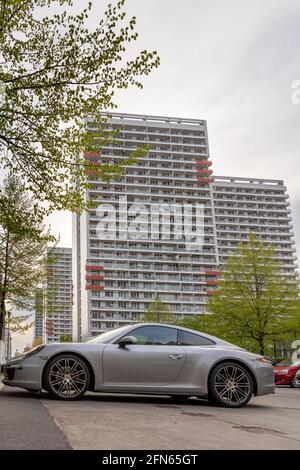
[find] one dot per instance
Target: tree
(56, 72)
(17, 323)
(256, 303)
(23, 242)
(37, 341)
(66, 339)
(158, 312)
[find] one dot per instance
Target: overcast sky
(231, 62)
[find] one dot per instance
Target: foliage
(37, 341)
(56, 72)
(23, 242)
(18, 323)
(158, 312)
(66, 339)
(257, 304)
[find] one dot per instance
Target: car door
(155, 360)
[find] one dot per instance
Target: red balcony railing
(204, 162)
(202, 180)
(92, 154)
(214, 292)
(212, 283)
(212, 273)
(205, 171)
(91, 267)
(91, 277)
(95, 288)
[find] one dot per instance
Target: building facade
(39, 313)
(259, 206)
(171, 196)
(116, 279)
(58, 295)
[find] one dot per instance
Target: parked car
(285, 373)
(147, 358)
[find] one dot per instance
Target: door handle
(175, 356)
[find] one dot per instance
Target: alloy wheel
(232, 385)
(68, 377)
(293, 382)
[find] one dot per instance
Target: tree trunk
(2, 317)
(261, 345)
(3, 289)
(275, 348)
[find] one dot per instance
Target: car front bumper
(265, 379)
(26, 373)
(282, 380)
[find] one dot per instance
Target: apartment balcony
(94, 277)
(149, 140)
(203, 163)
(243, 195)
(142, 253)
(155, 288)
(175, 309)
(203, 172)
(203, 180)
(157, 150)
(94, 267)
(190, 195)
(212, 283)
(108, 158)
(113, 187)
(94, 288)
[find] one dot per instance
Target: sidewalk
(26, 424)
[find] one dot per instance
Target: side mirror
(127, 340)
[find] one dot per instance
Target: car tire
(230, 385)
(293, 382)
(67, 377)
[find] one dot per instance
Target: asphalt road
(26, 424)
(128, 422)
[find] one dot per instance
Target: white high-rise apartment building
(58, 295)
(259, 206)
(117, 276)
(115, 280)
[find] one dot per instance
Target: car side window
(155, 335)
(189, 339)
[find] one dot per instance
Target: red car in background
(285, 372)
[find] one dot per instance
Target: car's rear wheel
(67, 377)
(230, 384)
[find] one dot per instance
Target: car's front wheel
(230, 384)
(293, 382)
(67, 377)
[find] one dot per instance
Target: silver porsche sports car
(147, 358)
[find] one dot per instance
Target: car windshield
(283, 363)
(108, 335)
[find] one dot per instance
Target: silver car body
(147, 369)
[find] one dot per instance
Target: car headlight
(32, 352)
(260, 361)
(282, 371)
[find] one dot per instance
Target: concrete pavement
(127, 422)
(134, 422)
